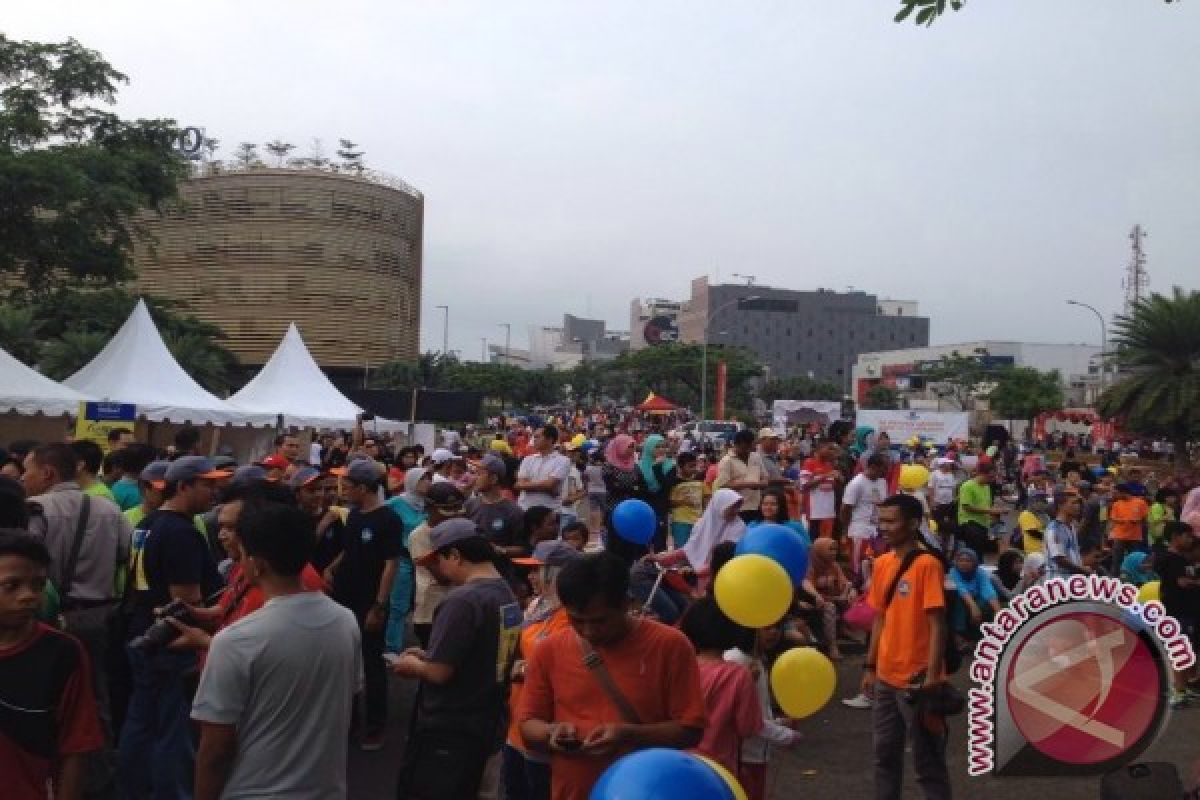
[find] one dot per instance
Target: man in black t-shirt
(156, 750)
(499, 520)
(461, 712)
(1179, 589)
(363, 572)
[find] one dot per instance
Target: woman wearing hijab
(1008, 573)
(658, 478)
(622, 481)
(977, 596)
(410, 507)
(1137, 568)
(1032, 572)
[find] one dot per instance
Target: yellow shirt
(687, 502)
(1029, 521)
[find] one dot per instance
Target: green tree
(66, 355)
(18, 333)
(1157, 354)
(883, 398)
(1025, 392)
(75, 174)
(930, 10)
(279, 149)
(246, 155)
(962, 377)
(799, 388)
(208, 364)
(351, 155)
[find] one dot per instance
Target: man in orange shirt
(1128, 517)
(527, 769)
(904, 657)
(609, 684)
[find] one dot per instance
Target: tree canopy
(930, 10)
(1025, 392)
(75, 174)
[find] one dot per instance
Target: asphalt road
(834, 760)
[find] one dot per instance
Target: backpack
(951, 657)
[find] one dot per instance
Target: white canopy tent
(292, 384)
(136, 367)
(27, 391)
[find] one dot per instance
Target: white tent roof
(136, 367)
(292, 384)
(27, 391)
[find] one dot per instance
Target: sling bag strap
(68, 580)
(905, 563)
(595, 665)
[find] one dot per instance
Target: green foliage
(962, 376)
(75, 174)
(799, 388)
(1157, 353)
(883, 398)
(930, 10)
(73, 325)
(1025, 392)
(18, 333)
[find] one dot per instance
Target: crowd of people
(175, 626)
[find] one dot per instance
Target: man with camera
(156, 747)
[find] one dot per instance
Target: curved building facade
(253, 250)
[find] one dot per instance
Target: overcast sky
(574, 155)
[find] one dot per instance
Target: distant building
(816, 333)
(653, 321)
(577, 340)
(905, 370)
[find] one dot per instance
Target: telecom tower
(1136, 279)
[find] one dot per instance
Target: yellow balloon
(803, 680)
(913, 476)
(1149, 591)
(753, 590)
(738, 792)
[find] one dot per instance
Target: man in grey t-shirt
(276, 694)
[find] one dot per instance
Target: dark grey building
(817, 333)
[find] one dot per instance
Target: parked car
(714, 431)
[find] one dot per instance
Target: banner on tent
(935, 426)
(792, 413)
(97, 420)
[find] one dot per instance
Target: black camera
(162, 633)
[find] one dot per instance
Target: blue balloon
(780, 544)
(659, 774)
(635, 521)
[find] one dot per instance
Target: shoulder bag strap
(904, 565)
(69, 568)
(595, 665)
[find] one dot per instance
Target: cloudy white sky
(577, 154)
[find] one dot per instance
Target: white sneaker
(860, 701)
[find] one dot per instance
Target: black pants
(443, 765)
(974, 536)
(374, 678)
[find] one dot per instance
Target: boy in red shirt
(45, 674)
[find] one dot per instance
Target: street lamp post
(704, 357)
(445, 331)
(483, 349)
(507, 341)
(1103, 340)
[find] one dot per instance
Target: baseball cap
(445, 497)
(274, 461)
(768, 433)
(251, 473)
(155, 473)
(550, 553)
(224, 462)
(361, 470)
(494, 465)
(447, 533)
(303, 477)
(189, 468)
(442, 455)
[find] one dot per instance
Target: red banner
(721, 379)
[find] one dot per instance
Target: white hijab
(713, 528)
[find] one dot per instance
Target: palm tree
(18, 333)
(1157, 351)
(208, 363)
(64, 356)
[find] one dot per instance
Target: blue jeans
(156, 754)
(401, 603)
(524, 779)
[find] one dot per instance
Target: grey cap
(363, 471)
(154, 471)
(550, 553)
(447, 533)
(495, 465)
(225, 462)
(303, 477)
(250, 473)
(189, 468)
